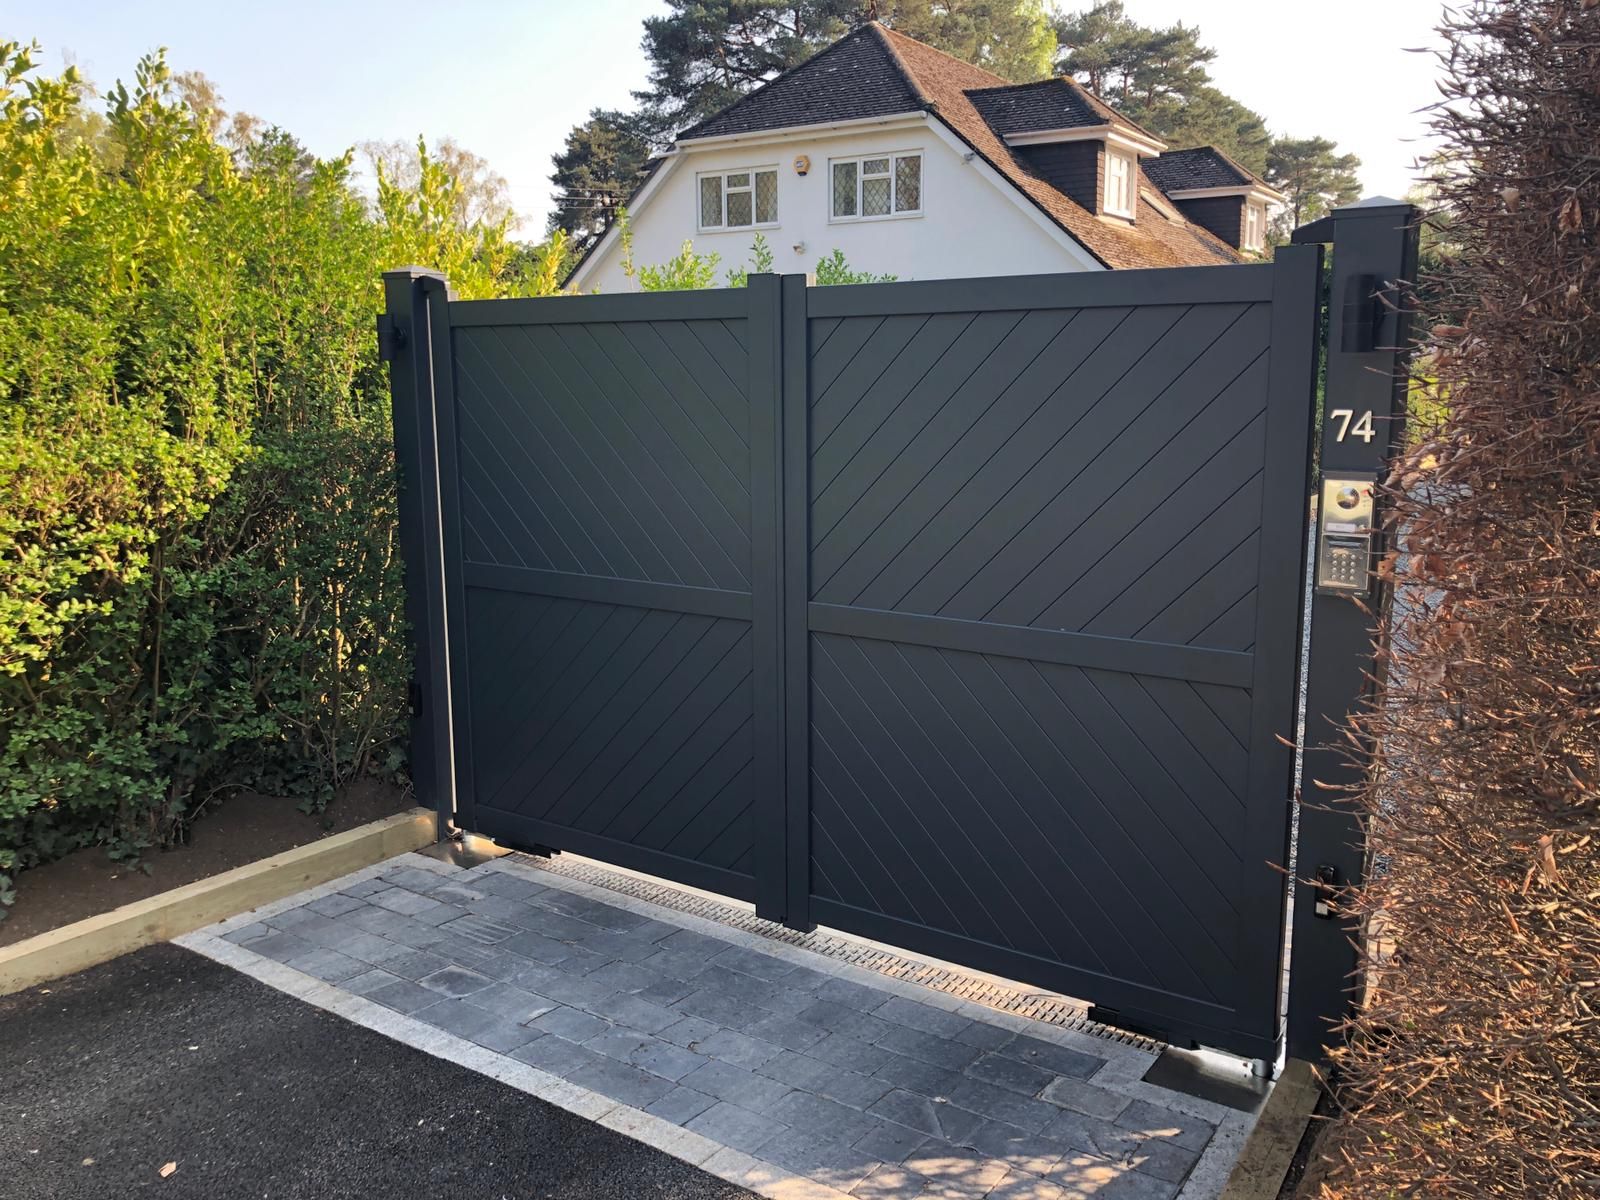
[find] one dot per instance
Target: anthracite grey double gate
(962, 615)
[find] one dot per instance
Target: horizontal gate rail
(630, 593)
(714, 305)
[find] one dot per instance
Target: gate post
(1363, 420)
(414, 300)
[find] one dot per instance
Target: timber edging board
(159, 918)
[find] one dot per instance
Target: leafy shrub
(199, 582)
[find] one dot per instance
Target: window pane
(875, 166)
(738, 208)
(908, 183)
(710, 201)
(742, 179)
(874, 196)
(844, 189)
(766, 196)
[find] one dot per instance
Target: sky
(508, 78)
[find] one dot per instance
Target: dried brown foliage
(1475, 1068)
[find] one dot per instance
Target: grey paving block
(925, 1017)
(594, 912)
(442, 915)
(1085, 1098)
(732, 1046)
(1002, 1104)
(1094, 1136)
(851, 1053)
(504, 883)
(738, 986)
(369, 981)
(511, 1002)
(1008, 1073)
(689, 942)
(790, 1032)
(395, 927)
(460, 1018)
(985, 1037)
(455, 982)
(583, 962)
(848, 992)
(724, 1010)
(327, 965)
(407, 904)
(1152, 1120)
(249, 933)
(646, 1052)
(1018, 1148)
(481, 930)
(1030, 1187)
(542, 920)
(412, 964)
(336, 905)
(1059, 1059)
(414, 879)
(820, 1117)
(573, 989)
(838, 1163)
(624, 976)
(681, 1105)
(298, 918)
(1084, 1175)
(1164, 1160)
(689, 1031)
(569, 1023)
(890, 1142)
(914, 1075)
(507, 1036)
(623, 1083)
(837, 1017)
(449, 891)
(943, 1121)
(893, 1181)
(366, 887)
(736, 1085)
(280, 946)
(368, 947)
(668, 992)
(557, 1055)
(825, 1079)
(536, 946)
(753, 962)
(929, 1048)
(967, 1170)
(630, 947)
(404, 996)
(676, 965)
(806, 979)
(734, 1126)
(486, 960)
(635, 1013)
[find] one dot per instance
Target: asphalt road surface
(163, 1056)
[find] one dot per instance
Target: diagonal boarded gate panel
(1050, 608)
(960, 615)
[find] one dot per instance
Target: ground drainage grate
(1039, 1006)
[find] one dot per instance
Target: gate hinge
(391, 338)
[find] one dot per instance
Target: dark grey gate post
(1374, 253)
(415, 299)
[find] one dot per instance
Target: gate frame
(414, 337)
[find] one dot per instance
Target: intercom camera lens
(1348, 497)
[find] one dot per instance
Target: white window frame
(1119, 202)
(894, 157)
(751, 188)
(1255, 220)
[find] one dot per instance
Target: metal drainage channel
(1048, 1007)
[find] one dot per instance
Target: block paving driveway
(836, 1079)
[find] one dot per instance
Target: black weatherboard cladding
(962, 615)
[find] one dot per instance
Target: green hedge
(199, 582)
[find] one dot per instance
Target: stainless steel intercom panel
(1344, 536)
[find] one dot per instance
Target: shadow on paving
(164, 1056)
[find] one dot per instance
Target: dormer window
(1254, 222)
(1120, 189)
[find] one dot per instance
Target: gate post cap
(413, 272)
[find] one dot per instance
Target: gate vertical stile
(796, 418)
(1369, 331)
(766, 579)
(1291, 384)
(411, 295)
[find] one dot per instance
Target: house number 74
(1361, 429)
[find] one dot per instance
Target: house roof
(1155, 239)
(852, 79)
(876, 72)
(1201, 167)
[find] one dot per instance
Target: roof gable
(855, 78)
